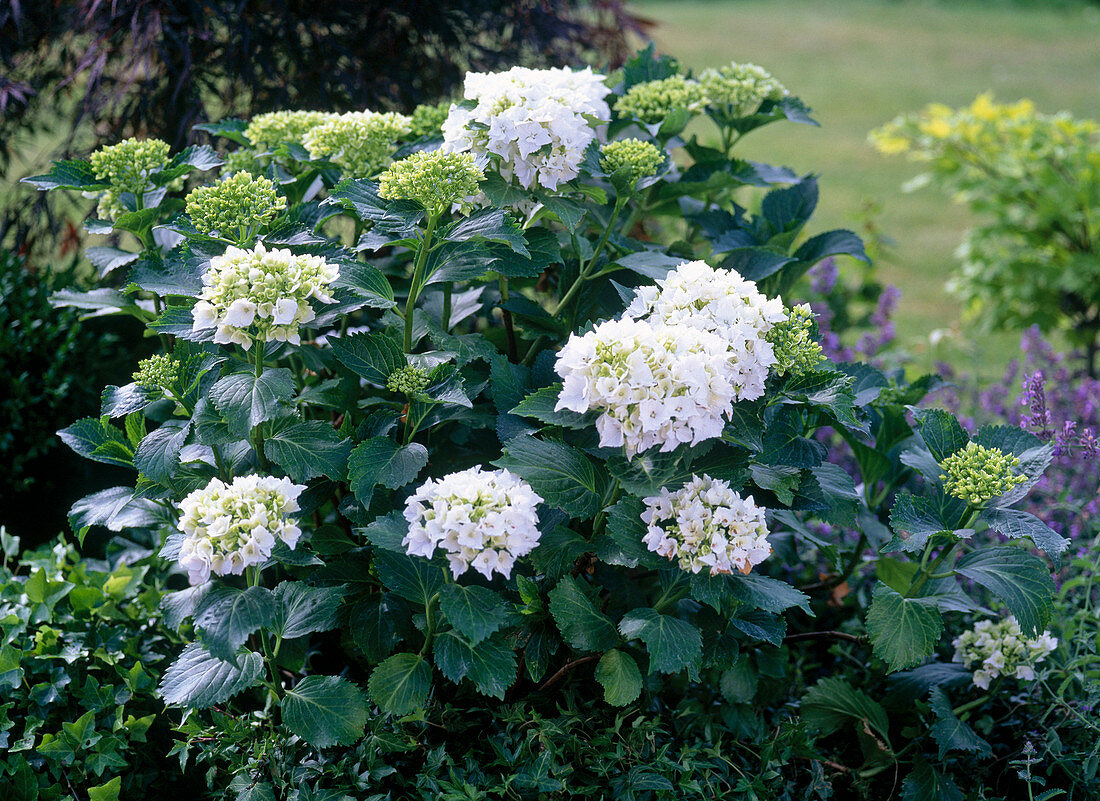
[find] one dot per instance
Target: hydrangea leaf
(490, 224)
(158, 456)
(410, 577)
(833, 702)
(673, 644)
(581, 624)
(490, 665)
(227, 615)
(919, 517)
(1015, 523)
(75, 174)
(1018, 578)
(325, 711)
(372, 356)
(760, 625)
(565, 477)
(400, 684)
(539, 405)
(367, 282)
(903, 630)
(925, 783)
(950, 733)
(300, 609)
(374, 622)
(380, 460)
(198, 679)
(771, 595)
(308, 449)
(941, 432)
(246, 400)
(475, 612)
(96, 439)
(618, 674)
(620, 543)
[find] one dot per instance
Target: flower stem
(418, 279)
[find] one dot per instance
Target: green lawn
(858, 63)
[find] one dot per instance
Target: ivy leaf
(490, 665)
(308, 449)
(246, 401)
(565, 477)
(1018, 578)
(833, 702)
(198, 679)
(325, 711)
(372, 356)
(380, 460)
(903, 630)
(400, 685)
(673, 644)
(618, 674)
(227, 615)
(300, 609)
(950, 733)
(580, 623)
(475, 612)
(410, 577)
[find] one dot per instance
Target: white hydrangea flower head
(723, 303)
(261, 295)
(1000, 648)
(655, 385)
(705, 525)
(229, 527)
(485, 519)
(538, 122)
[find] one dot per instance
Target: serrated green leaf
(620, 678)
(903, 630)
(380, 460)
(1016, 523)
(410, 577)
(580, 623)
(325, 711)
(246, 401)
(400, 684)
(158, 456)
(373, 624)
(475, 612)
(539, 405)
(198, 680)
(1018, 578)
(301, 609)
(919, 517)
(367, 282)
(941, 432)
(673, 644)
(620, 543)
(950, 733)
(308, 449)
(771, 595)
(89, 436)
(227, 615)
(925, 783)
(372, 356)
(833, 702)
(565, 477)
(490, 665)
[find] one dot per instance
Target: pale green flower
(408, 381)
(740, 88)
(637, 159)
(977, 474)
(235, 207)
(157, 372)
(361, 143)
(796, 351)
(268, 131)
(243, 159)
(433, 179)
(652, 101)
(126, 166)
(427, 120)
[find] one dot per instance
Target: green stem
(429, 624)
(509, 326)
(417, 280)
(257, 432)
(585, 270)
(959, 710)
(269, 655)
(445, 320)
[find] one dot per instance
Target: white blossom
(538, 122)
(1000, 648)
(229, 527)
(261, 294)
(480, 518)
(705, 525)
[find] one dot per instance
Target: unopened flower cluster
(652, 101)
(408, 380)
(261, 295)
(426, 121)
(538, 122)
(740, 88)
(235, 207)
(126, 167)
(796, 351)
(268, 131)
(977, 474)
(705, 525)
(434, 179)
(157, 372)
(485, 519)
(361, 143)
(229, 527)
(1001, 649)
(670, 371)
(635, 158)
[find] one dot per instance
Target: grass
(859, 63)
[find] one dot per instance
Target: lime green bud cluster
(427, 120)
(740, 87)
(157, 372)
(433, 179)
(796, 351)
(243, 159)
(977, 474)
(637, 159)
(268, 131)
(652, 101)
(408, 381)
(235, 207)
(126, 167)
(361, 143)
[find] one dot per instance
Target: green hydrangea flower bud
(433, 179)
(361, 143)
(408, 381)
(243, 159)
(427, 120)
(796, 351)
(159, 371)
(977, 474)
(636, 159)
(741, 88)
(126, 166)
(268, 131)
(652, 101)
(235, 207)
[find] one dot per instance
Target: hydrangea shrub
(518, 406)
